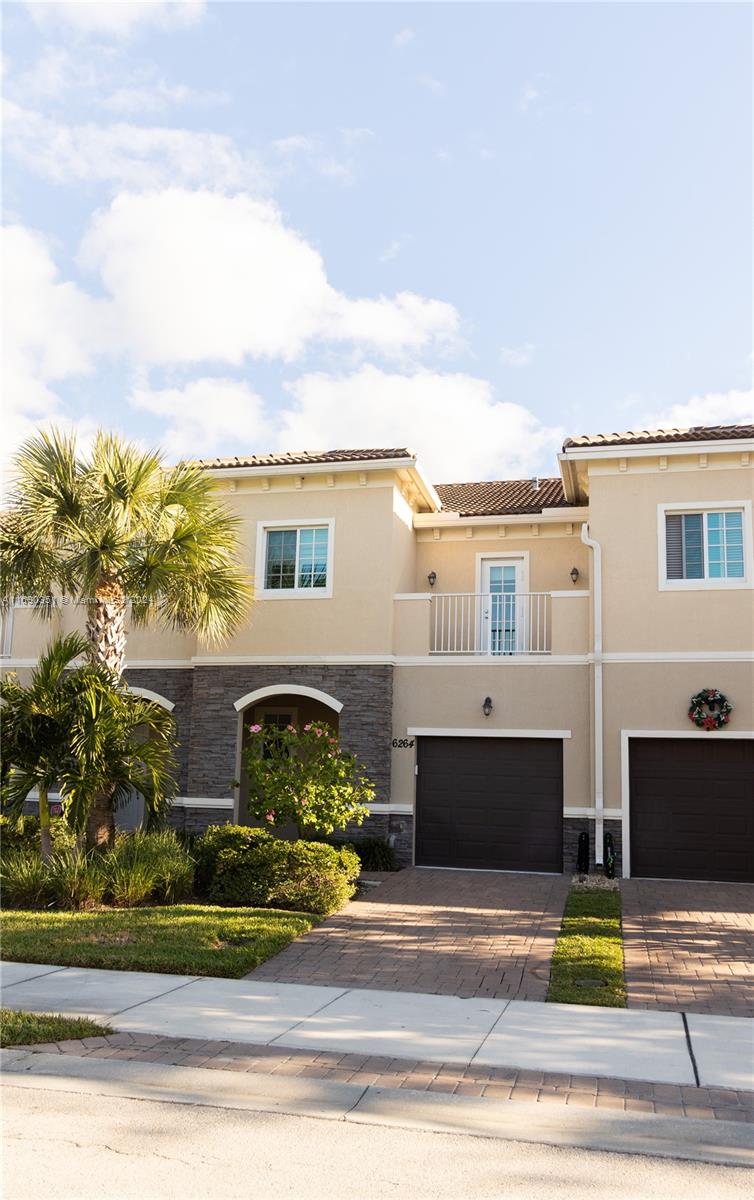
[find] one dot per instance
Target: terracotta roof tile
(697, 433)
(502, 497)
(305, 458)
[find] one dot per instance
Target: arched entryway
(278, 707)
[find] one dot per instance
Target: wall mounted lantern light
(487, 706)
(574, 574)
(432, 578)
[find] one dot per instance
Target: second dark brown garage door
(490, 803)
(692, 808)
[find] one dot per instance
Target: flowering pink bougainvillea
(305, 777)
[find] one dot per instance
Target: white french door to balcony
(502, 628)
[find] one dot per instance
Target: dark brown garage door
(692, 808)
(490, 803)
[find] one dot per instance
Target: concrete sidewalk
(660, 1047)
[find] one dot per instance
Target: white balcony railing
(491, 623)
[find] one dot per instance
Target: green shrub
(266, 872)
(147, 865)
(209, 847)
(23, 879)
(375, 854)
(23, 833)
(75, 880)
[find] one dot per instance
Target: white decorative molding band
(577, 594)
(412, 596)
(154, 696)
(403, 809)
(610, 814)
(287, 689)
(500, 733)
(678, 656)
(201, 802)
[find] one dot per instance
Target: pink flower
(307, 728)
(333, 741)
(318, 732)
(270, 816)
(291, 728)
(255, 729)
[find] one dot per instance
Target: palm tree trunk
(106, 624)
(100, 823)
(45, 836)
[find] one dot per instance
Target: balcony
(492, 625)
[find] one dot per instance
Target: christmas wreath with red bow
(710, 709)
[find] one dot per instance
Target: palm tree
(81, 729)
(114, 529)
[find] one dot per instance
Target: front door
(503, 624)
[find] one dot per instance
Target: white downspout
(597, 720)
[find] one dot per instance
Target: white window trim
(508, 560)
(706, 585)
(295, 593)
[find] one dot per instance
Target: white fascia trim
(610, 814)
(625, 775)
(707, 584)
(678, 656)
(576, 594)
(201, 802)
(296, 593)
(287, 689)
(320, 468)
(548, 516)
(165, 664)
(275, 660)
(490, 733)
(403, 809)
(658, 449)
(154, 696)
(412, 596)
(491, 660)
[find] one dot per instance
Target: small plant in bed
(28, 1029)
(187, 939)
(587, 963)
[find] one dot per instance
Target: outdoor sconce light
(487, 706)
(574, 574)
(432, 578)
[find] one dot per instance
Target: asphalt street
(95, 1147)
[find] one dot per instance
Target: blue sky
(470, 228)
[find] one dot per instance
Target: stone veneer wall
(175, 685)
(365, 722)
(396, 826)
(573, 826)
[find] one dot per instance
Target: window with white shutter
(709, 546)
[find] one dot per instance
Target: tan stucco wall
(623, 518)
(524, 697)
(655, 696)
(453, 556)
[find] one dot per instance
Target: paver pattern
(452, 933)
(502, 1083)
(689, 947)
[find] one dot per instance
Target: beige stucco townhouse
(513, 660)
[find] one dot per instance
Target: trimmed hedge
(242, 866)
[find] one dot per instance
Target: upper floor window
(707, 547)
(295, 559)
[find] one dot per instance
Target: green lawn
(24, 1029)
(589, 947)
(188, 939)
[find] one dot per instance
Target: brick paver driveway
(689, 946)
(457, 933)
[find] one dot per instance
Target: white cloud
(517, 356)
(158, 96)
(356, 136)
(200, 276)
(127, 155)
(432, 85)
(206, 417)
(394, 248)
(117, 19)
(311, 150)
(453, 421)
(404, 37)
(50, 332)
(713, 408)
(54, 73)
(529, 93)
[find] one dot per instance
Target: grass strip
(25, 1028)
(181, 939)
(589, 947)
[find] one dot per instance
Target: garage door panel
(692, 808)
(490, 804)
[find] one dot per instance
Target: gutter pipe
(597, 718)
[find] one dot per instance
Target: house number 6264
(402, 743)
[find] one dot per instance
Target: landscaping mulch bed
(619, 1095)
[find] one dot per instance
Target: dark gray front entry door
(490, 803)
(692, 808)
